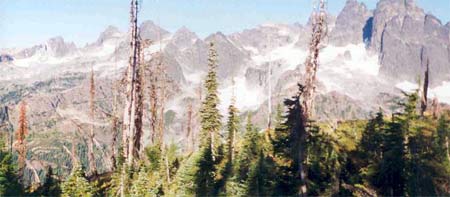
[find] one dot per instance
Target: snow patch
(247, 98)
(361, 61)
(442, 92)
(289, 54)
(407, 86)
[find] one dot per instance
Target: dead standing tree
(114, 128)
(424, 96)
(158, 94)
(91, 135)
(132, 118)
(319, 32)
(307, 93)
(21, 133)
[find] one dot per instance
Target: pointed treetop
(233, 91)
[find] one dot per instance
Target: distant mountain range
(368, 57)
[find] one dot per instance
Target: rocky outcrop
(6, 58)
(184, 38)
(351, 23)
(401, 32)
(55, 47)
(256, 77)
(390, 11)
(231, 58)
(266, 37)
(149, 30)
(111, 32)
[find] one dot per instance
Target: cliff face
(402, 33)
(353, 25)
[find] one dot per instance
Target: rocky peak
(401, 31)
(351, 24)
(149, 30)
(55, 47)
(184, 38)
(393, 11)
(231, 57)
(58, 47)
(217, 37)
(110, 32)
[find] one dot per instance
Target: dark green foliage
(289, 147)
(205, 178)
(77, 185)
(390, 177)
(9, 185)
(209, 113)
(372, 139)
(209, 155)
(324, 163)
(51, 186)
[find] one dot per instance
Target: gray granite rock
(149, 30)
(351, 23)
(401, 31)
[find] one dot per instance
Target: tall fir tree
(232, 131)
(232, 127)
(391, 174)
(253, 174)
(441, 141)
(209, 113)
(203, 171)
(390, 177)
(289, 146)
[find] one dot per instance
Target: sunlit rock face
(405, 37)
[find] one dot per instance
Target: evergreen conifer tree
(51, 186)
(203, 172)
(77, 185)
(140, 184)
(289, 146)
(9, 185)
(209, 113)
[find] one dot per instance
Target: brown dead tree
(21, 133)
(435, 107)
(424, 99)
(132, 118)
(114, 128)
(189, 134)
(307, 92)
(319, 31)
(91, 135)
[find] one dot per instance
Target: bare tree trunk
(91, 135)
(166, 163)
(424, 100)
(37, 180)
(447, 147)
(312, 64)
(319, 29)
(161, 120)
(436, 108)
(153, 105)
(122, 181)
(269, 96)
(115, 133)
(132, 123)
(190, 144)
